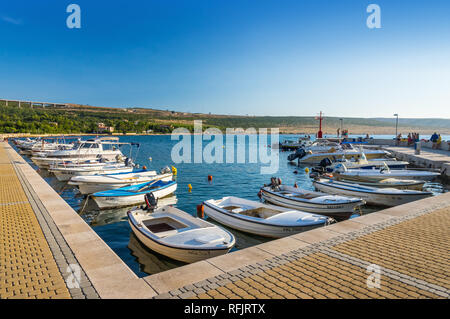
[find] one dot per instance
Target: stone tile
(182, 276)
(316, 235)
(345, 227)
(282, 245)
(239, 258)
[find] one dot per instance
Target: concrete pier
(41, 236)
(32, 212)
(428, 158)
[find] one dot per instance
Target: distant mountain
(417, 122)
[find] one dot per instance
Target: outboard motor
(325, 162)
(151, 202)
(299, 153)
(129, 162)
(275, 183)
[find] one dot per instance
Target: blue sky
(231, 57)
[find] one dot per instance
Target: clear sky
(257, 57)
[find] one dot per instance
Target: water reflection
(149, 261)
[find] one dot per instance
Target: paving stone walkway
(34, 257)
(412, 254)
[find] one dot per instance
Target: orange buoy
(200, 211)
(209, 178)
(144, 167)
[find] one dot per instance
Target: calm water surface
(242, 180)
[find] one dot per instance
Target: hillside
(74, 118)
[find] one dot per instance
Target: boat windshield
(89, 145)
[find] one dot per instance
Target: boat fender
(200, 211)
(144, 168)
(174, 170)
(260, 194)
(279, 181)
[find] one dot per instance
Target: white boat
(372, 195)
(93, 184)
(66, 173)
(388, 183)
(305, 156)
(178, 235)
(363, 163)
(379, 174)
(335, 206)
(106, 148)
(134, 194)
(261, 219)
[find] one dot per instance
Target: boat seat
(260, 212)
(163, 225)
(231, 208)
(159, 228)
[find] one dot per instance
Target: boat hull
(379, 199)
(91, 188)
(368, 176)
(316, 158)
(64, 176)
(415, 186)
(265, 230)
(104, 202)
(337, 211)
(184, 255)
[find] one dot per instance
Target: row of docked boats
(287, 210)
(99, 169)
(318, 151)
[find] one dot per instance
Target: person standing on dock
(434, 139)
(438, 142)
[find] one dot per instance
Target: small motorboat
(261, 219)
(98, 183)
(388, 183)
(363, 163)
(64, 174)
(383, 173)
(335, 206)
(176, 234)
(372, 195)
(134, 194)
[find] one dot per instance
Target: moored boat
(66, 173)
(93, 184)
(106, 148)
(335, 206)
(388, 183)
(383, 173)
(134, 194)
(261, 219)
(372, 195)
(178, 235)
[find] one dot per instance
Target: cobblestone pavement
(34, 257)
(412, 254)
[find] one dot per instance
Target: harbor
(328, 261)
